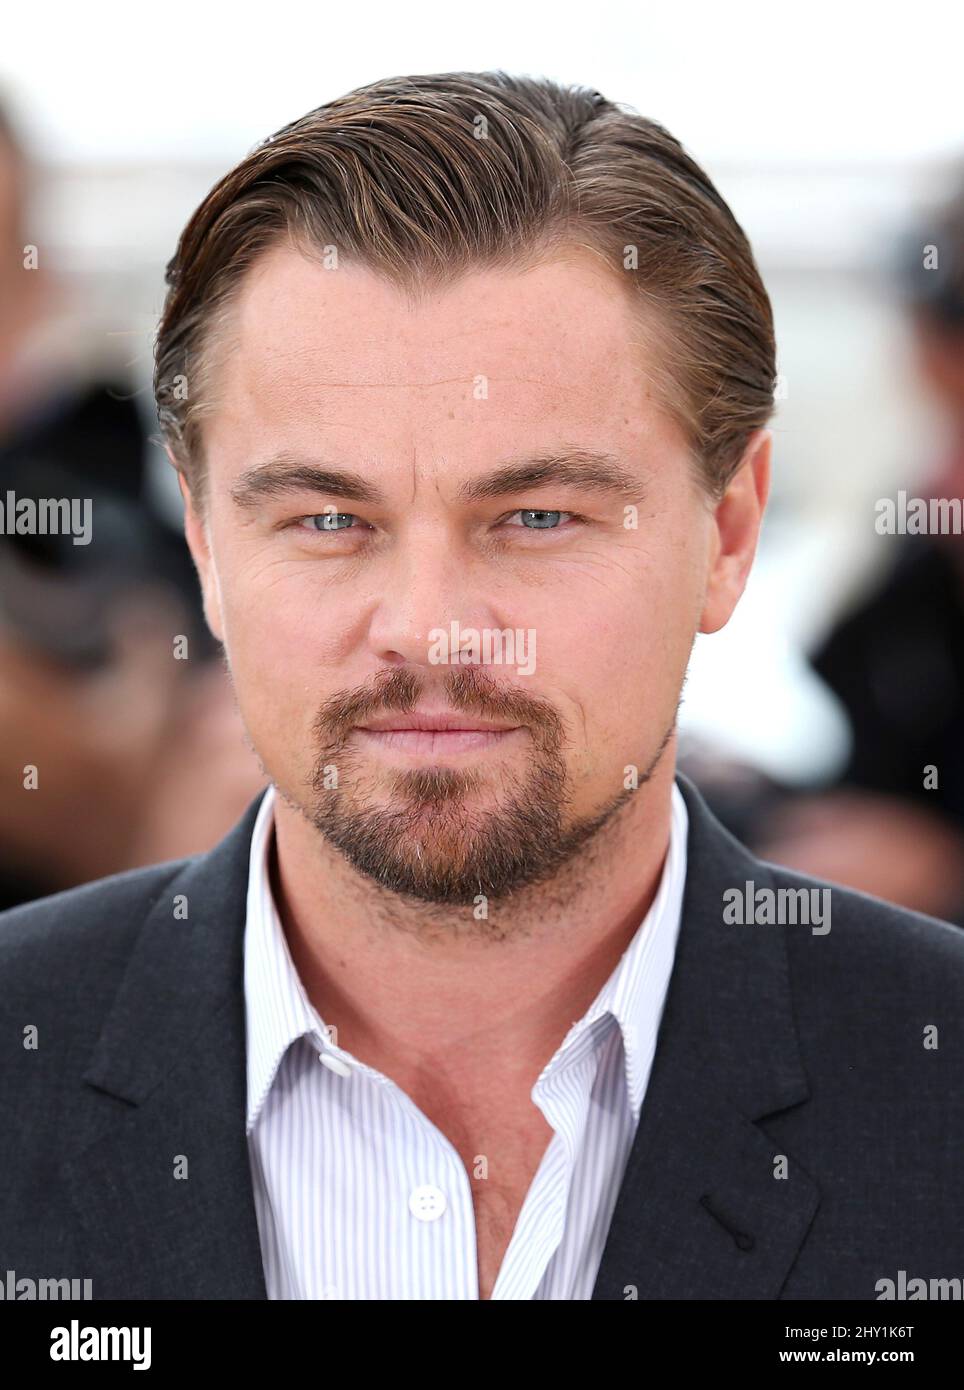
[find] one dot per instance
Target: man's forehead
(563, 323)
(338, 363)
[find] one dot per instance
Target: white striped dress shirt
(359, 1196)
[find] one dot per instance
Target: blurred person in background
(91, 694)
(894, 826)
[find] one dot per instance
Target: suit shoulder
(39, 937)
(876, 940)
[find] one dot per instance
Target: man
(467, 378)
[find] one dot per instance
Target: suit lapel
(701, 1213)
(160, 1181)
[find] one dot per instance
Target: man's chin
(456, 855)
(456, 837)
(437, 856)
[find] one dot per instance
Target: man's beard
(430, 843)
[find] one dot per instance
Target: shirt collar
(278, 1011)
(635, 993)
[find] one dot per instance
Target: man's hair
(422, 179)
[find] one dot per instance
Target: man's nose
(430, 584)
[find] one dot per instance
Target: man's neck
(402, 990)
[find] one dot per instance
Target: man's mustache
(466, 689)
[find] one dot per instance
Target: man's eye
(535, 520)
(328, 521)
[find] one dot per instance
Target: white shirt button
(334, 1064)
(427, 1203)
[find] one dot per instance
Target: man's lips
(444, 722)
(434, 734)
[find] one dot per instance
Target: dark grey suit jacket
(779, 1049)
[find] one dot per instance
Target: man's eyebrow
(587, 470)
(285, 473)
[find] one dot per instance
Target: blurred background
(825, 724)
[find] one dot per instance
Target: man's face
(346, 603)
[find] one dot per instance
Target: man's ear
(736, 529)
(195, 533)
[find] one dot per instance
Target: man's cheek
(264, 663)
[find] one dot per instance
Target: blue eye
(541, 520)
(329, 521)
